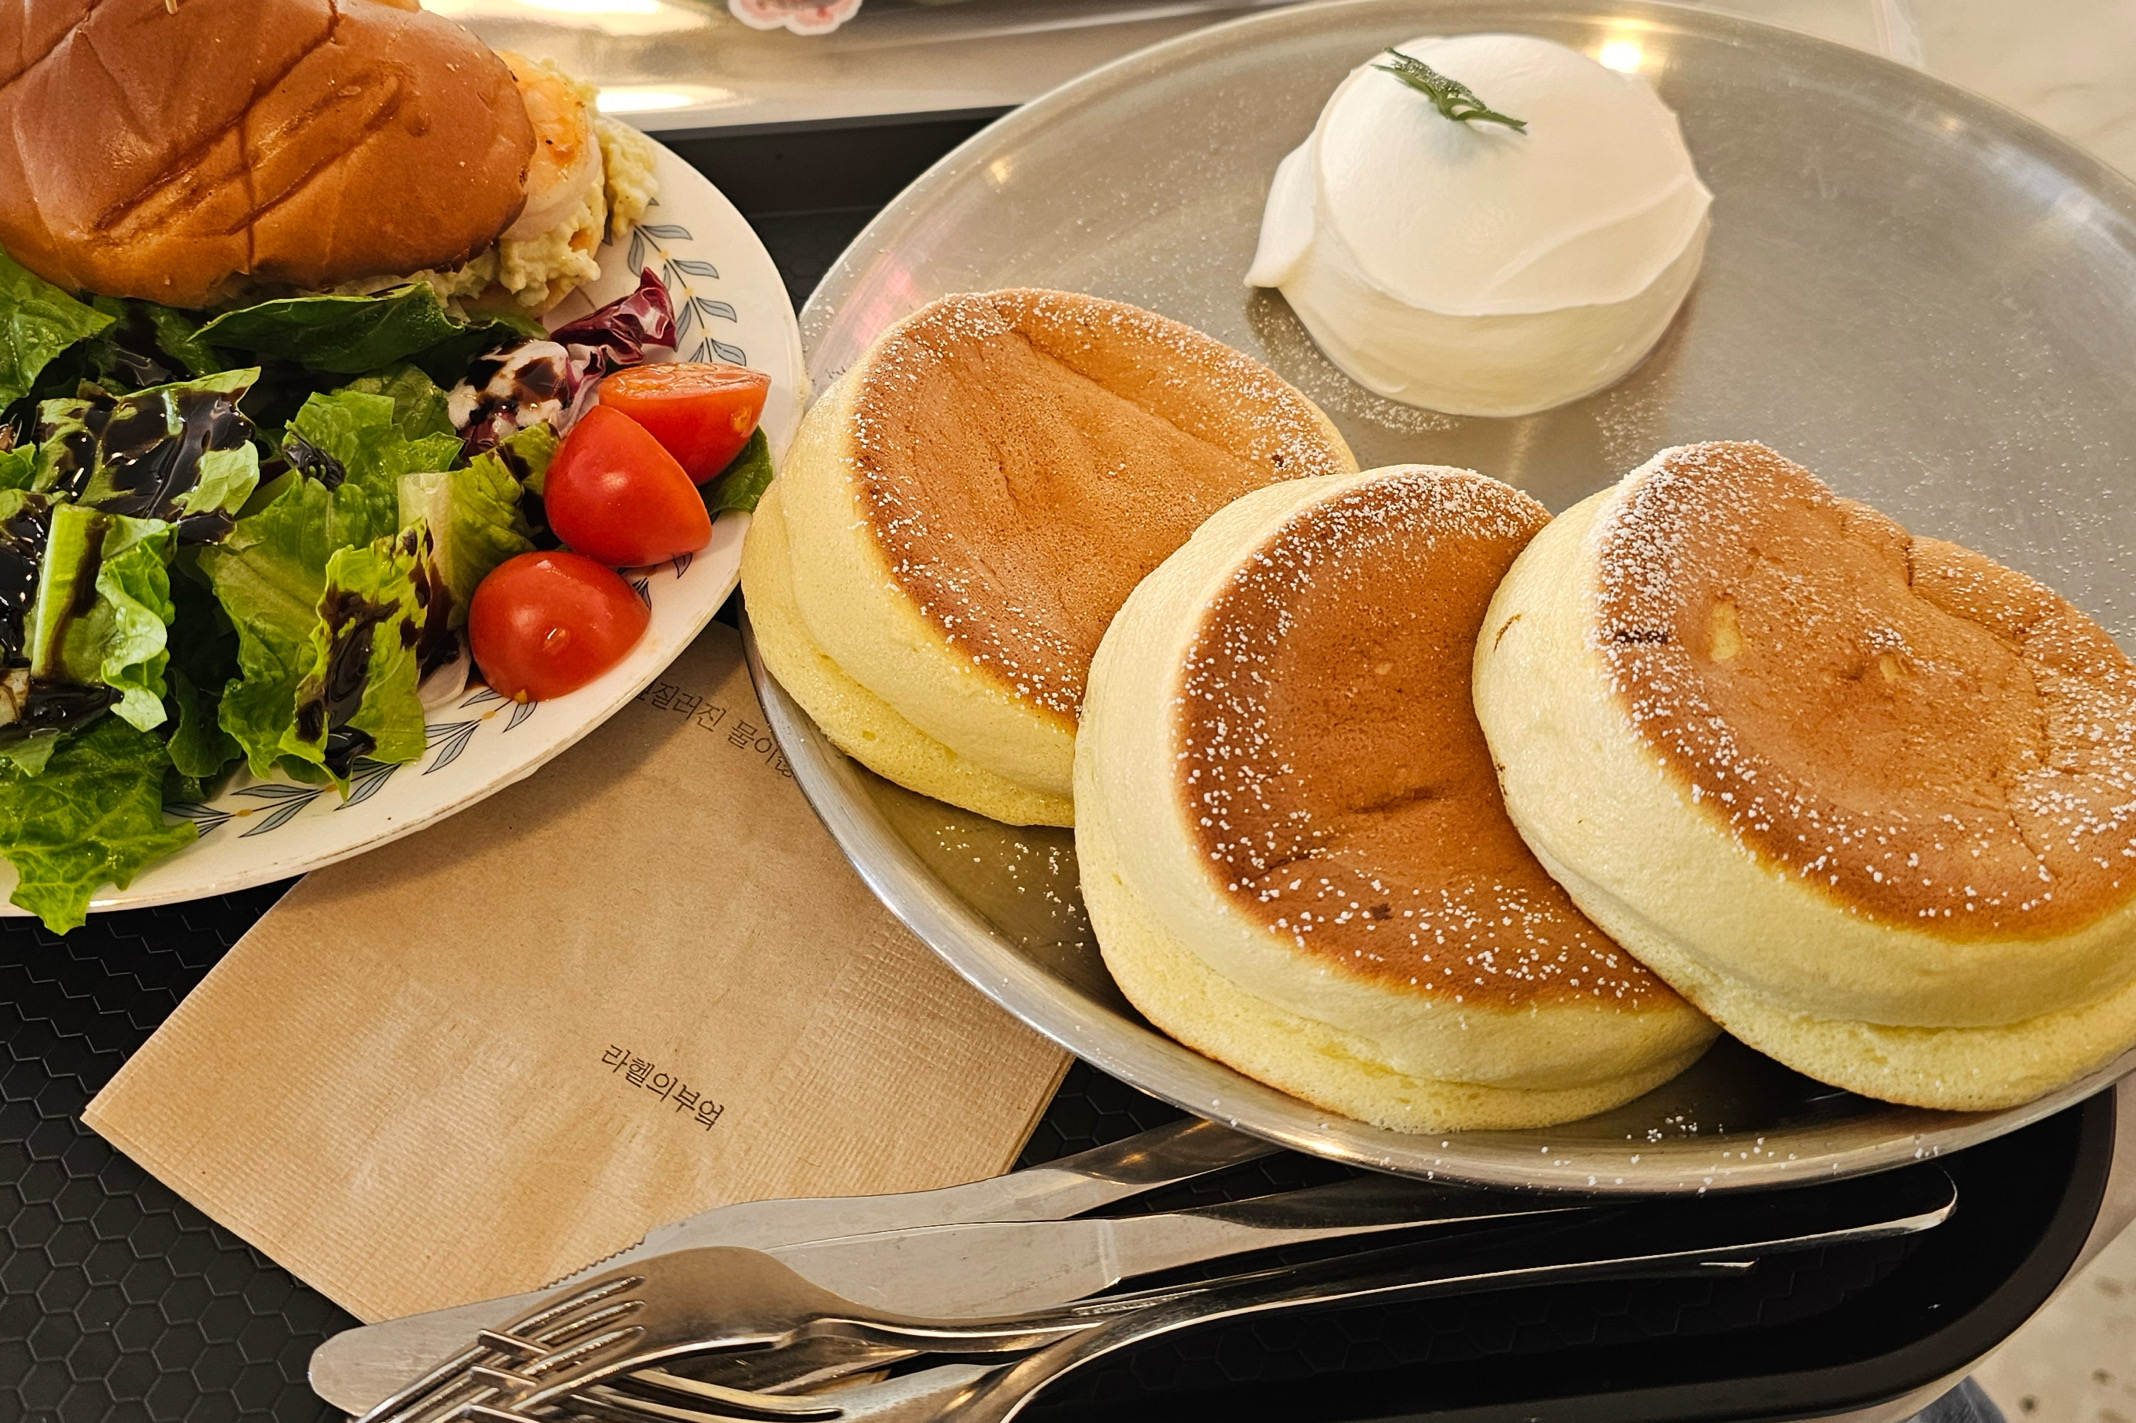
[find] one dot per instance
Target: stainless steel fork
(709, 1300)
(974, 1393)
(985, 1271)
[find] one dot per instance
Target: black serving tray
(120, 1301)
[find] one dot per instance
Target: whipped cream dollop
(1476, 268)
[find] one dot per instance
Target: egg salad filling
(591, 179)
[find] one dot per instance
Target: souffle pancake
(1292, 846)
(965, 509)
(1867, 799)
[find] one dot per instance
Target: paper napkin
(636, 985)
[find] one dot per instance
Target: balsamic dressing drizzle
(351, 619)
(148, 448)
(435, 643)
(22, 546)
(62, 706)
(307, 457)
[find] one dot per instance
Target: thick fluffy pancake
(1290, 834)
(970, 503)
(1867, 799)
(857, 721)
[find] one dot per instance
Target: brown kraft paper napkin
(639, 984)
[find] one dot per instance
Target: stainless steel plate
(1924, 298)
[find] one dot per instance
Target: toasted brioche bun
(1289, 829)
(160, 151)
(1869, 800)
(970, 502)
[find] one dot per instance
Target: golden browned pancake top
(1026, 457)
(1931, 738)
(1331, 758)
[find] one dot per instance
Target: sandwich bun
(168, 151)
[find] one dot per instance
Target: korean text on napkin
(639, 984)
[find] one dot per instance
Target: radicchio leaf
(553, 380)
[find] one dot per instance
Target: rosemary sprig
(1449, 96)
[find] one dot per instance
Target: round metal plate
(1924, 298)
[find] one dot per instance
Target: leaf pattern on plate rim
(453, 737)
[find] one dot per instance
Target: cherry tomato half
(543, 624)
(613, 494)
(702, 414)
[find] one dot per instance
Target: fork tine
(616, 1407)
(487, 1392)
(769, 1405)
(523, 1340)
(713, 1402)
(510, 1344)
(582, 1354)
(544, 1317)
(573, 1330)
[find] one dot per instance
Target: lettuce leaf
(37, 322)
(349, 335)
(103, 609)
(145, 455)
(359, 696)
(743, 482)
(358, 444)
(18, 468)
(419, 407)
(93, 816)
(147, 345)
(203, 662)
(472, 519)
(225, 481)
(268, 574)
(30, 753)
(326, 636)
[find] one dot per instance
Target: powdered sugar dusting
(1027, 596)
(1330, 758)
(1973, 758)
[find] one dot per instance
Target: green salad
(243, 539)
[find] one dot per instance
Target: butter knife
(357, 1368)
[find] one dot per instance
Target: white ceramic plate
(731, 305)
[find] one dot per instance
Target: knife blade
(357, 1368)
(985, 1269)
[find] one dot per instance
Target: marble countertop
(675, 66)
(2069, 64)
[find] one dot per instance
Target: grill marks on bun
(156, 152)
(1919, 731)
